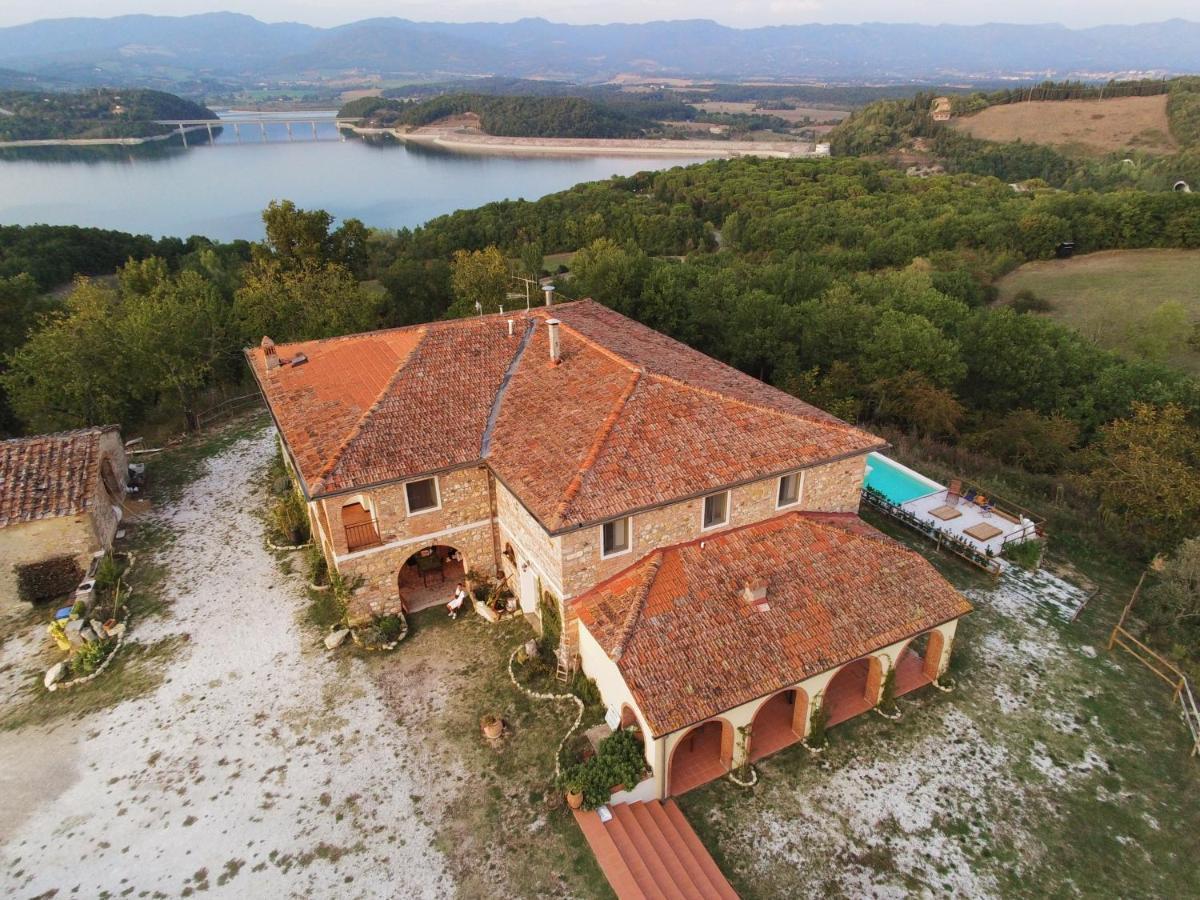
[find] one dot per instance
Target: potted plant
(574, 791)
(492, 726)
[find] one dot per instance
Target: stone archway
(918, 662)
(429, 576)
(702, 754)
(853, 690)
(780, 721)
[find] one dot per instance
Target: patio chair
(954, 492)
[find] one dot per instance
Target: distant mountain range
(232, 47)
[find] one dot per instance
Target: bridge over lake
(292, 123)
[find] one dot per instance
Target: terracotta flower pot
(492, 729)
(574, 799)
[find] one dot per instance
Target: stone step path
(648, 851)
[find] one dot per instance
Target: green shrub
(289, 519)
(107, 573)
(585, 689)
(1026, 554)
(620, 761)
(551, 625)
(316, 566)
(1026, 301)
(817, 723)
(87, 659)
(887, 696)
(391, 627)
(48, 579)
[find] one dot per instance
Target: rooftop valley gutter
(494, 413)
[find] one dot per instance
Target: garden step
(700, 852)
(651, 849)
(687, 877)
(647, 871)
(683, 849)
(614, 867)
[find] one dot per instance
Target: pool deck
(971, 516)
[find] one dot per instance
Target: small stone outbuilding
(60, 495)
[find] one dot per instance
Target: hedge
(41, 581)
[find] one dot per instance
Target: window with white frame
(616, 537)
(716, 509)
(789, 489)
(422, 495)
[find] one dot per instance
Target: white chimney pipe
(555, 350)
(510, 327)
(548, 290)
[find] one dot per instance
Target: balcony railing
(362, 535)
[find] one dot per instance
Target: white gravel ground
(262, 767)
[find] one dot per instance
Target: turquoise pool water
(896, 482)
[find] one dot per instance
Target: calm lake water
(220, 190)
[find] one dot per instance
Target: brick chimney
(268, 348)
(755, 593)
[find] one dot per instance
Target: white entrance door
(529, 597)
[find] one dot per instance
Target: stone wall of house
(379, 568)
(465, 501)
(463, 521)
(531, 544)
(30, 542)
(834, 487)
(104, 518)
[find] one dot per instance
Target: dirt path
(261, 767)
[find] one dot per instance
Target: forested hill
(103, 113)
(525, 116)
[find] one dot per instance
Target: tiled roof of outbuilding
(630, 418)
(49, 475)
(690, 646)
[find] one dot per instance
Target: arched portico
(780, 721)
(853, 690)
(702, 754)
(918, 662)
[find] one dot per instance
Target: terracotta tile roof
(690, 646)
(629, 419)
(49, 475)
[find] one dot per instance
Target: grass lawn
(504, 828)
(1112, 297)
(1054, 768)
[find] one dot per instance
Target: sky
(738, 13)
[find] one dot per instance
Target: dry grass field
(1093, 126)
(1143, 303)
(817, 114)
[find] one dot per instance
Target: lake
(219, 190)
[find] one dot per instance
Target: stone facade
(481, 517)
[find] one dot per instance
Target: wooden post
(1112, 638)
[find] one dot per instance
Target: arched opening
(919, 661)
(700, 756)
(629, 722)
(429, 576)
(779, 722)
(853, 690)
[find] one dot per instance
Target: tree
(480, 280)
(904, 342)
(1028, 439)
(610, 274)
(1146, 472)
(1174, 602)
(295, 237)
(913, 401)
(314, 301)
(532, 260)
(176, 334)
(73, 370)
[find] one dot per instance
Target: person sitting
(456, 602)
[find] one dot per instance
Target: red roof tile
(49, 475)
(629, 419)
(690, 646)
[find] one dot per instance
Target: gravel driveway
(260, 767)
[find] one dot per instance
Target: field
(1089, 126)
(817, 114)
(1143, 303)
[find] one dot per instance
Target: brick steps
(648, 851)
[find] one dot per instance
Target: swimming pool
(896, 482)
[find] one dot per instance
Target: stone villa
(695, 530)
